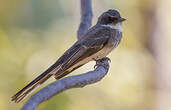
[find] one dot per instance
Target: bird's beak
(122, 19)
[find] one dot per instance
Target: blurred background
(35, 33)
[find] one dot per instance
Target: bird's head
(110, 17)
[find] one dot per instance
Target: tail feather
(30, 87)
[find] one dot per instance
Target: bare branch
(86, 18)
(76, 81)
(59, 86)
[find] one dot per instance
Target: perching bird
(97, 43)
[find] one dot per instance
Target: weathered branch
(86, 18)
(76, 81)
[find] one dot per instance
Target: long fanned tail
(23, 93)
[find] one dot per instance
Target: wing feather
(81, 50)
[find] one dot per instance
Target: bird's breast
(112, 43)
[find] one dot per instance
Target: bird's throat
(117, 26)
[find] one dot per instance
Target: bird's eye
(112, 19)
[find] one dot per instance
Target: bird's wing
(80, 50)
(91, 44)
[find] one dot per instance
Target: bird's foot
(100, 62)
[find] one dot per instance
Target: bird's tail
(23, 93)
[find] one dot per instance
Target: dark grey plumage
(97, 43)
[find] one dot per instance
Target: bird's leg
(95, 64)
(99, 62)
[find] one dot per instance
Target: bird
(96, 44)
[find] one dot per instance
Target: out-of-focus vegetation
(34, 33)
